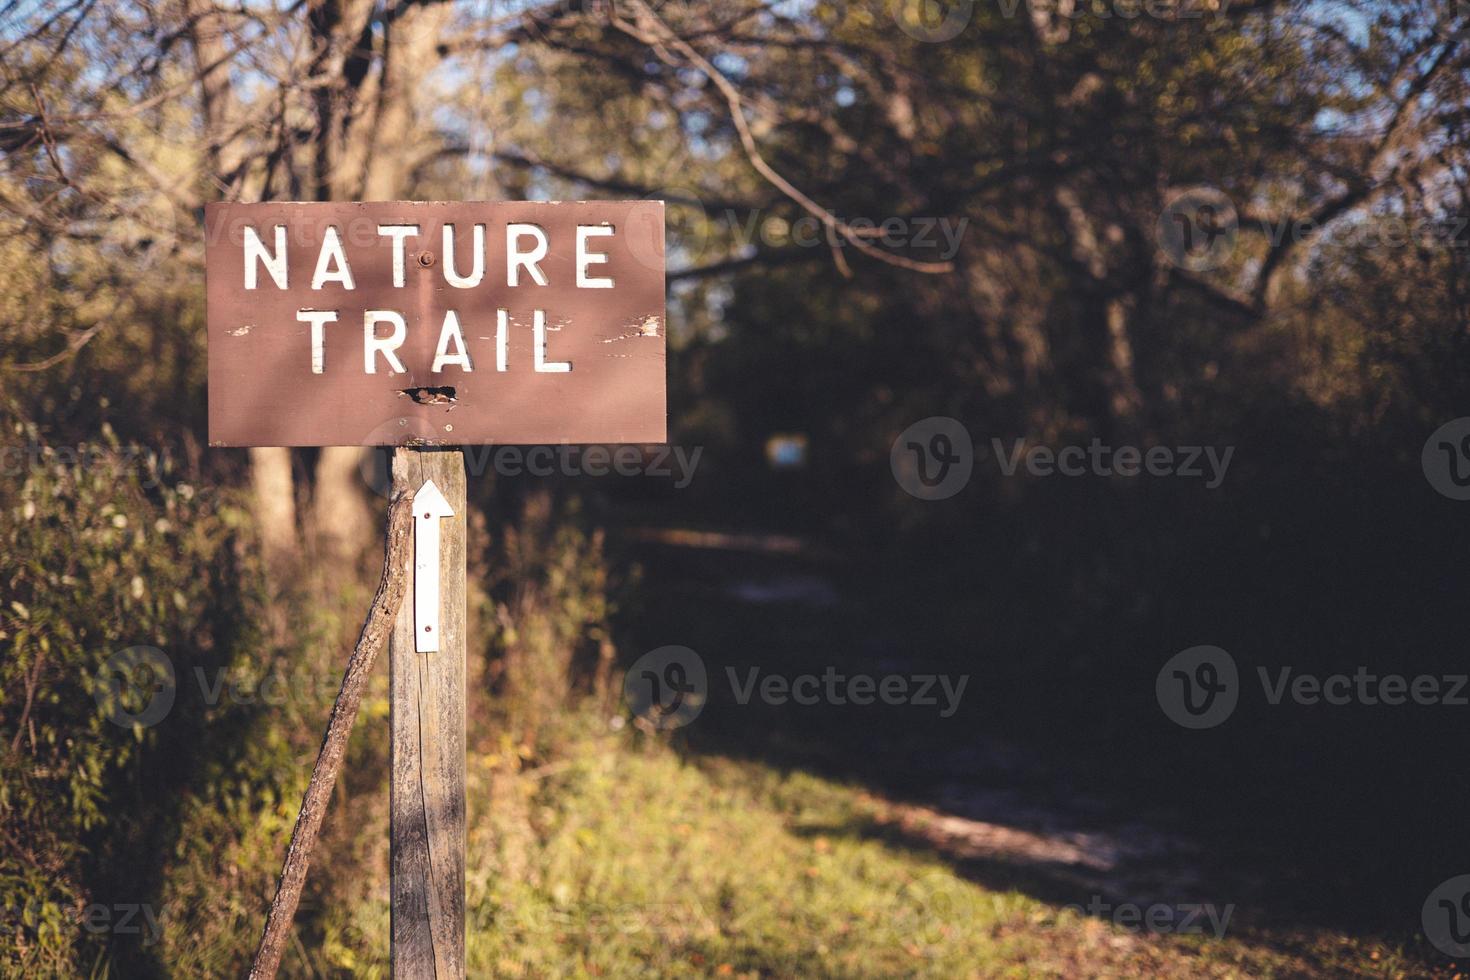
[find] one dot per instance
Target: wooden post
(427, 704)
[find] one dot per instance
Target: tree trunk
(275, 505)
(343, 521)
(270, 468)
(374, 164)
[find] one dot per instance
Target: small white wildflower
(137, 586)
(119, 521)
(28, 511)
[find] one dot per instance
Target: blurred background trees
(1239, 223)
(1060, 136)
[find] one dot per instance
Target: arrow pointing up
(429, 507)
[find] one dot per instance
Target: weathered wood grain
(427, 827)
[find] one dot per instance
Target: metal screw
(426, 259)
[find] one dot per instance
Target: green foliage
(604, 854)
(551, 600)
(102, 549)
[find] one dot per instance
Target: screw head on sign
(426, 259)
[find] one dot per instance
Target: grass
(594, 849)
(625, 859)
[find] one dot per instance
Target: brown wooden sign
(436, 323)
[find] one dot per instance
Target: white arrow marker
(429, 506)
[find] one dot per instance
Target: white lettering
(544, 366)
(478, 264)
(372, 344)
(318, 320)
(586, 258)
(332, 254)
(399, 234)
(256, 255)
(451, 334)
(517, 260)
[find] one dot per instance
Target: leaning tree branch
(375, 631)
(667, 36)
